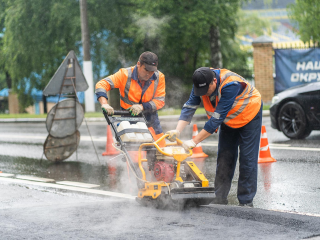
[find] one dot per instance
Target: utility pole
(87, 64)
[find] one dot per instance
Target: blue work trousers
(153, 121)
(244, 142)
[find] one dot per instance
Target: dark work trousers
(153, 121)
(232, 141)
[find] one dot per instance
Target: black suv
(296, 111)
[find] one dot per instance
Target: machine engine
(163, 171)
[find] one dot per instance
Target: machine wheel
(159, 203)
(292, 121)
(143, 202)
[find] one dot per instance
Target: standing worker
(141, 87)
(233, 103)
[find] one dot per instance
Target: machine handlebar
(123, 113)
(179, 142)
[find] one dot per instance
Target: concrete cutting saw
(174, 181)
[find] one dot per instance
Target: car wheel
(292, 121)
(307, 132)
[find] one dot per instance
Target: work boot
(220, 201)
(246, 204)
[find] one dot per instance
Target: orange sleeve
(110, 82)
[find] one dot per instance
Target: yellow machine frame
(153, 189)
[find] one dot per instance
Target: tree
(37, 35)
(195, 34)
(112, 37)
(5, 79)
(306, 14)
(186, 34)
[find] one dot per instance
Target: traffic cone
(264, 154)
(155, 136)
(110, 150)
(197, 151)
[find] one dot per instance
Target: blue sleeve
(147, 107)
(101, 94)
(190, 107)
(228, 95)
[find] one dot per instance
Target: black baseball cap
(202, 78)
(150, 60)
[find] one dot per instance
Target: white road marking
(272, 146)
(42, 137)
(296, 148)
(6, 175)
(5, 137)
(77, 189)
(37, 179)
(214, 144)
(279, 145)
(300, 213)
(107, 193)
(78, 184)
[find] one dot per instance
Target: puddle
(281, 185)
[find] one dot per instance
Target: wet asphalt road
(27, 213)
(290, 184)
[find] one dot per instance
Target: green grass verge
(266, 107)
(23, 115)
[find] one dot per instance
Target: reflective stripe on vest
(208, 106)
(125, 98)
(244, 104)
(249, 96)
(108, 80)
(224, 77)
(127, 88)
(238, 98)
(191, 106)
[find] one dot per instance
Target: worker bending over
(233, 103)
(141, 87)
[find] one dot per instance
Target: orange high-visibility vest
(246, 105)
(130, 90)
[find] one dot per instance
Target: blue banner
(295, 67)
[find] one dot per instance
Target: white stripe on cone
(195, 133)
(264, 148)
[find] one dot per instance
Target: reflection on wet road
(281, 185)
(289, 184)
